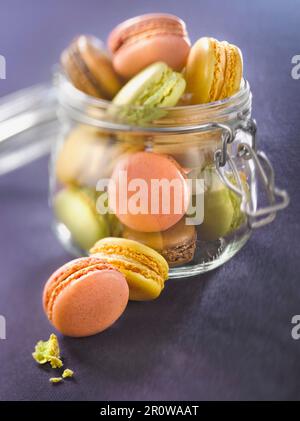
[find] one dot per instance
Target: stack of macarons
(207, 71)
(87, 295)
(149, 64)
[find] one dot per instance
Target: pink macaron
(143, 40)
(85, 296)
(148, 192)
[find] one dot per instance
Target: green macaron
(142, 98)
(222, 213)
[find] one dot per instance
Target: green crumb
(67, 373)
(55, 379)
(48, 351)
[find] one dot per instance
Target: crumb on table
(55, 379)
(48, 351)
(68, 373)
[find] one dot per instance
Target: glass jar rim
(77, 103)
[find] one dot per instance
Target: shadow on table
(135, 345)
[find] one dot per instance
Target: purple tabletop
(222, 335)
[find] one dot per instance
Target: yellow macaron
(145, 269)
(214, 70)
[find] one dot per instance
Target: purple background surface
(224, 335)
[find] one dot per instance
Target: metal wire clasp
(277, 199)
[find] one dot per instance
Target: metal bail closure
(277, 199)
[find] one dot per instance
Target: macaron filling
(160, 90)
(150, 87)
(131, 255)
(218, 73)
(89, 68)
(64, 272)
(125, 265)
(231, 65)
(180, 253)
(76, 56)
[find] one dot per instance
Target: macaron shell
(199, 71)
(76, 72)
(169, 95)
(141, 83)
(147, 166)
(177, 244)
(170, 49)
(219, 70)
(150, 87)
(239, 217)
(173, 237)
(100, 65)
(146, 39)
(134, 251)
(145, 270)
(154, 240)
(89, 67)
(138, 25)
(72, 274)
(141, 288)
(144, 284)
(78, 213)
(65, 270)
(218, 209)
(90, 304)
(87, 144)
(234, 70)
(144, 97)
(80, 146)
(214, 70)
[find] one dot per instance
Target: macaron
(143, 40)
(88, 155)
(90, 68)
(222, 213)
(76, 209)
(145, 270)
(144, 96)
(177, 244)
(85, 297)
(148, 192)
(214, 70)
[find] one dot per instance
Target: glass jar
(211, 145)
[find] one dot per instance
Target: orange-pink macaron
(148, 191)
(143, 40)
(85, 296)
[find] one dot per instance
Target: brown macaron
(89, 67)
(177, 244)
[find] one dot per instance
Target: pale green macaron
(76, 209)
(142, 97)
